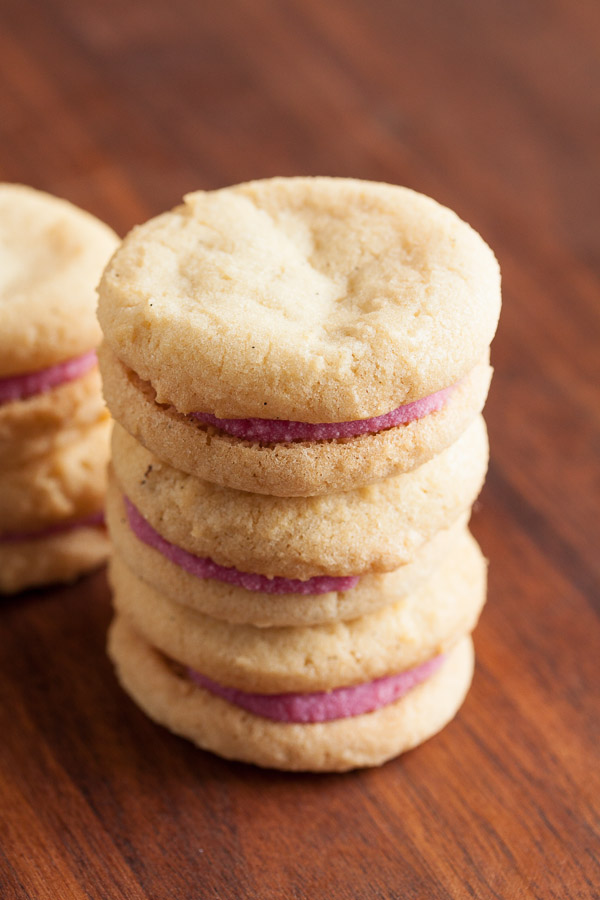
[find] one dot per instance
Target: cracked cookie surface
(306, 299)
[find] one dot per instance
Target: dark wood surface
(492, 108)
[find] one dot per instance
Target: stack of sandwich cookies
(298, 368)
(54, 428)
(190, 554)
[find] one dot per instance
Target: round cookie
(286, 469)
(56, 558)
(67, 483)
(311, 658)
(50, 420)
(371, 529)
(51, 257)
(237, 605)
(314, 300)
(171, 699)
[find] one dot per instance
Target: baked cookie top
(308, 299)
(51, 258)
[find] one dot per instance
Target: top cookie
(51, 257)
(308, 299)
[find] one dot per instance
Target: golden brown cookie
(305, 659)
(315, 300)
(237, 605)
(287, 469)
(173, 700)
(372, 529)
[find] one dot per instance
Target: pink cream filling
(19, 387)
(90, 521)
(324, 706)
(281, 431)
(203, 567)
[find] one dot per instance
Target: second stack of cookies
(298, 367)
(54, 427)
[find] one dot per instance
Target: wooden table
(491, 108)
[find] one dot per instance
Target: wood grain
(493, 109)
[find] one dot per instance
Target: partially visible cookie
(55, 558)
(372, 529)
(51, 257)
(280, 468)
(46, 421)
(170, 697)
(66, 483)
(396, 637)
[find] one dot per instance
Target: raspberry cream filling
(203, 567)
(90, 521)
(19, 387)
(323, 706)
(281, 431)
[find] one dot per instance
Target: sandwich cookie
(395, 638)
(176, 697)
(314, 334)
(371, 529)
(51, 255)
(288, 468)
(54, 428)
(181, 577)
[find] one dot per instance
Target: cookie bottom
(222, 728)
(300, 469)
(55, 559)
